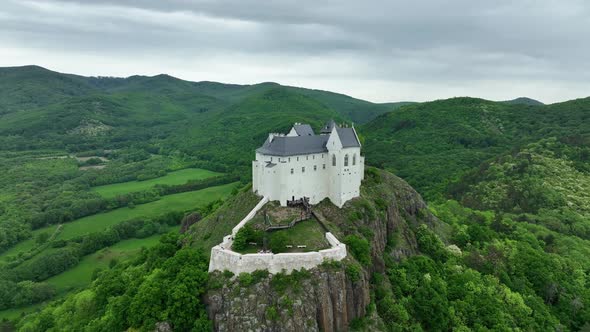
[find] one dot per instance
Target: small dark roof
(303, 130)
(328, 127)
(294, 145)
(348, 138)
(270, 165)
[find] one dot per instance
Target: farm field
(81, 275)
(173, 178)
(177, 202)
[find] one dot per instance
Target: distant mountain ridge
(34, 86)
(523, 101)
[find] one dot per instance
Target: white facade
(307, 165)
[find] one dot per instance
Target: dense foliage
(163, 284)
(510, 180)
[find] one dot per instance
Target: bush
(354, 272)
(360, 248)
(245, 279)
(278, 242)
(258, 275)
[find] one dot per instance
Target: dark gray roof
(294, 145)
(270, 165)
(328, 127)
(307, 143)
(348, 138)
(303, 130)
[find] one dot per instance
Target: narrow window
(315, 168)
(324, 166)
(297, 158)
(354, 159)
(345, 160)
(289, 159)
(291, 171)
(302, 169)
(306, 157)
(333, 160)
(313, 157)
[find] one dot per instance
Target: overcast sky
(375, 50)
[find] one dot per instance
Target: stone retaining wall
(223, 258)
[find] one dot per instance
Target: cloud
(380, 50)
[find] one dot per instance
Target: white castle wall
(223, 258)
(339, 183)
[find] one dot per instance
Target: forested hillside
(94, 169)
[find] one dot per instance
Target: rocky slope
(335, 295)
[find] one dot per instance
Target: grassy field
(178, 202)
(173, 178)
(80, 276)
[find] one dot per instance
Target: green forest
(89, 165)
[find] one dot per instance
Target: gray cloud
(382, 50)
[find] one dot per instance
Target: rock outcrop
(325, 301)
(329, 298)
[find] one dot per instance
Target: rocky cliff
(333, 296)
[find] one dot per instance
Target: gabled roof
(303, 130)
(348, 138)
(307, 142)
(294, 145)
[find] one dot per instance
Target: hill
(523, 101)
(432, 144)
(401, 273)
(502, 245)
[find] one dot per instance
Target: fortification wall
(223, 258)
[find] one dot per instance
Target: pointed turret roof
(328, 127)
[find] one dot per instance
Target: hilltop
(432, 144)
(408, 266)
(506, 186)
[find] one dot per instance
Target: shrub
(360, 248)
(278, 241)
(258, 275)
(354, 272)
(245, 279)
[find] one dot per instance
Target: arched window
(354, 159)
(333, 160)
(345, 160)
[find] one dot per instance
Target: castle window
(289, 159)
(313, 157)
(292, 171)
(302, 169)
(315, 168)
(306, 157)
(333, 160)
(324, 166)
(354, 159)
(345, 160)
(297, 158)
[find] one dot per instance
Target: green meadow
(81, 275)
(173, 178)
(97, 222)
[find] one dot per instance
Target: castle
(301, 164)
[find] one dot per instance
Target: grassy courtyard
(173, 178)
(308, 234)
